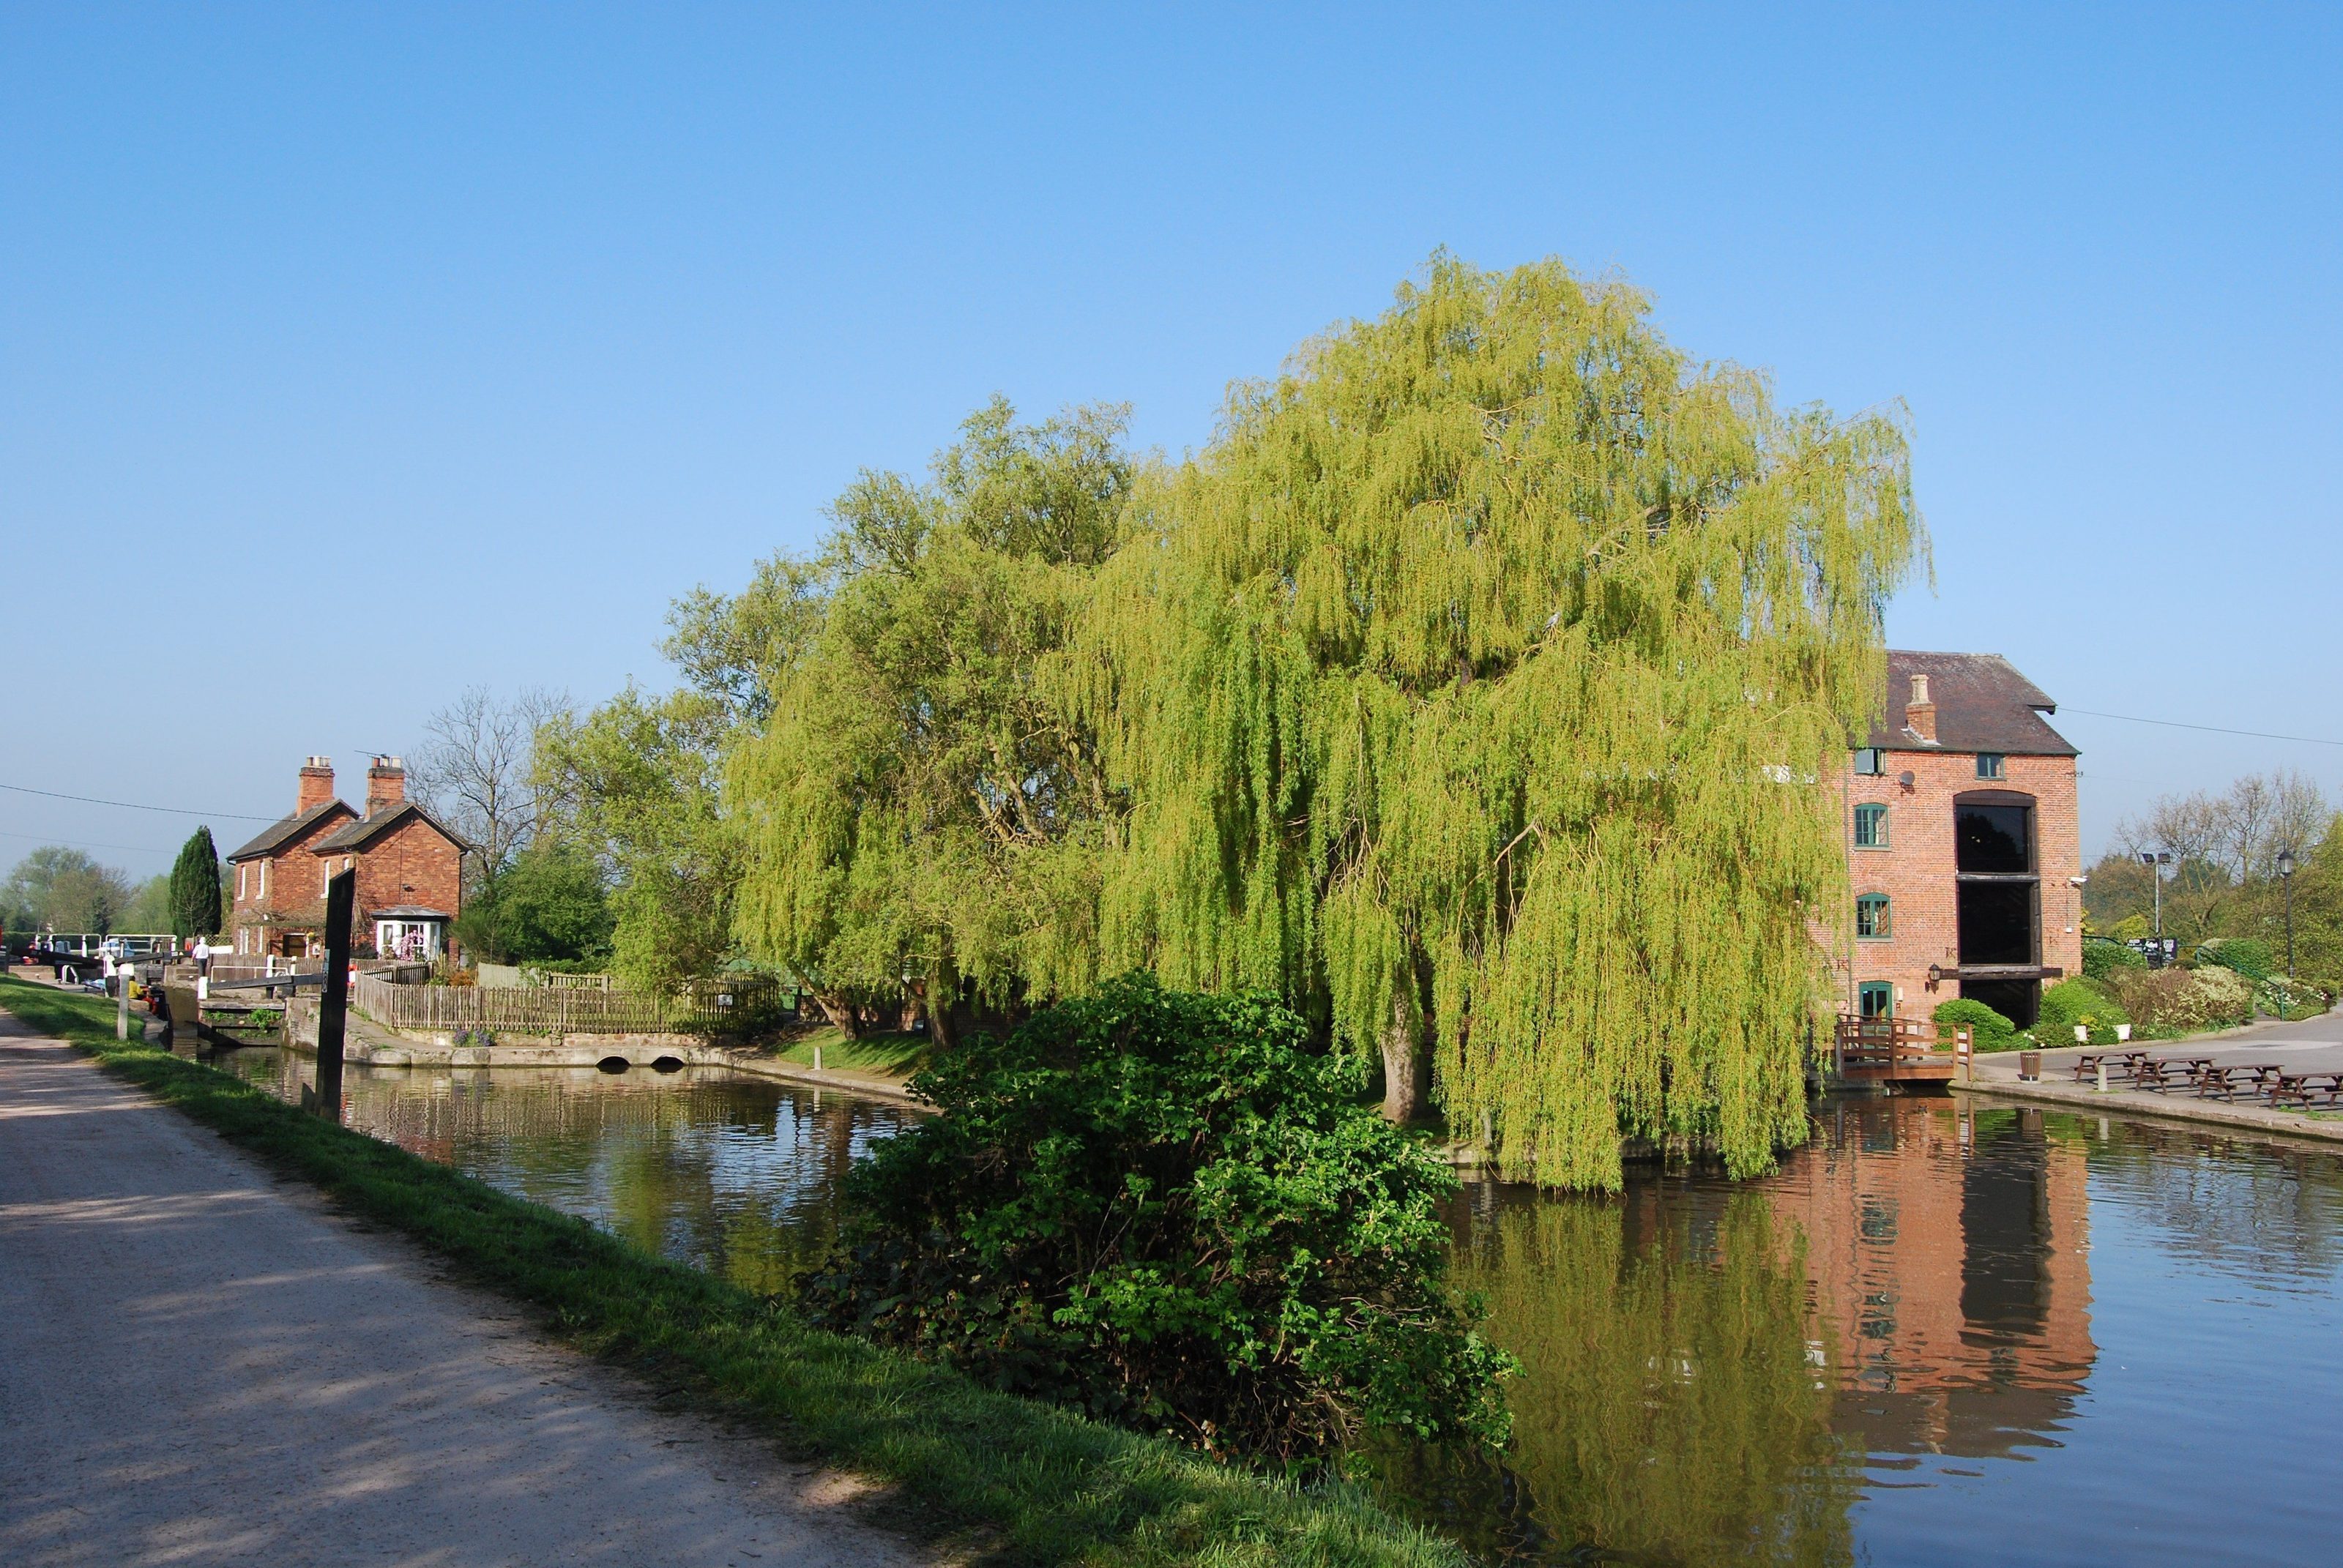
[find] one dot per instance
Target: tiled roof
(1983, 704)
(291, 827)
(365, 830)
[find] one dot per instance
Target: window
(1871, 917)
(1871, 760)
(1871, 827)
(239, 880)
(1877, 997)
(1988, 764)
(264, 878)
(326, 880)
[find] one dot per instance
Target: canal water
(1944, 1333)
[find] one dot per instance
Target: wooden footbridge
(1901, 1050)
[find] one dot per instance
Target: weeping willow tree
(1471, 688)
(918, 816)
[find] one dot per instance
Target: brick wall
(1917, 868)
(413, 863)
(293, 894)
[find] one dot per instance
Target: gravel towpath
(201, 1364)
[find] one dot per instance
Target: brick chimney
(386, 786)
(316, 784)
(1920, 714)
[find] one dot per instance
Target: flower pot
(2029, 1067)
(2123, 1034)
(2081, 1034)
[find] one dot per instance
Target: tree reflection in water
(1712, 1371)
(735, 1174)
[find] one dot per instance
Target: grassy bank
(1004, 1479)
(891, 1056)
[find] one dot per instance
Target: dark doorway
(2018, 1000)
(2005, 1230)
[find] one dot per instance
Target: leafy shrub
(2078, 1002)
(2291, 1000)
(2184, 1002)
(1161, 1209)
(2248, 956)
(1988, 1031)
(2102, 956)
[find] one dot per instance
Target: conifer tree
(196, 887)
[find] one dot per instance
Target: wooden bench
(2304, 1089)
(2228, 1083)
(2122, 1063)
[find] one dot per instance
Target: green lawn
(895, 1056)
(1001, 1479)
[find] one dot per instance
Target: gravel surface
(201, 1364)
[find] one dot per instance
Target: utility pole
(2156, 860)
(332, 1008)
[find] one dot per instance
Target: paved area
(2314, 1045)
(200, 1365)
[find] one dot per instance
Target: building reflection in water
(1716, 1373)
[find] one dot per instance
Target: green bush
(2185, 1001)
(2291, 1000)
(2078, 1002)
(2248, 956)
(1987, 1029)
(1162, 1209)
(2102, 956)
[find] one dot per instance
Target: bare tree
(477, 771)
(2223, 844)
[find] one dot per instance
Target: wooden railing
(527, 1011)
(1902, 1048)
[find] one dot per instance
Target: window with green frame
(1878, 998)
(1871, 918)
(1871, 827)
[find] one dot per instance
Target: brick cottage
(410, 870)
(1964, 847)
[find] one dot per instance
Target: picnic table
(2119, 1062)
(2226, 1082)
(2162, 1072)
(2305, 1089)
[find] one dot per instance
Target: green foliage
(1162, 1208)
(1988, 1031)
(1463, 692)
(635, 782)
(66, 890)
(1001, 1479)
(147, 909)
(2078, 1002)
(2246, 955)
(548, 903)
(917, 807)
(195, 889)
(2291, 1000)
(2172, 1001)
(2102, 956)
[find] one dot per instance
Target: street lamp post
(2285, 875)
(2156, 860)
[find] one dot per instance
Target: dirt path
(201, 1365)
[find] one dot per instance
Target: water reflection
(736, 1174)
(1938, 1334)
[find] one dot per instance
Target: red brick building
(410, 870)
(1964, 847)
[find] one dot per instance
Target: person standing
(203, 957)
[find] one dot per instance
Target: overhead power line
(84, 844)
(134, 805)
(2208, 729)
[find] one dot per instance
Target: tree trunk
(840, 1012)
(1407, 1068)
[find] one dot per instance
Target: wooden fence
(526, 1010)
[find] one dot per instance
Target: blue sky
(350, 357)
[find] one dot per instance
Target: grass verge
(893, 1056)
(1006, 1479)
